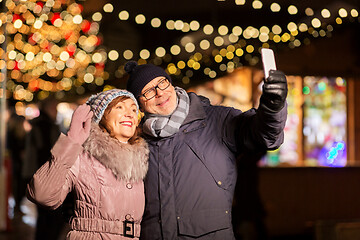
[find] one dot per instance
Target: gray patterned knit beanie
(100, 101)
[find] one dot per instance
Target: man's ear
(141, 107)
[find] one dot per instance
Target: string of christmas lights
(51, 48)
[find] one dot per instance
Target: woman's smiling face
(122, 120)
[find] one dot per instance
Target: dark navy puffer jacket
(191, 178)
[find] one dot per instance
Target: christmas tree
(50, 48)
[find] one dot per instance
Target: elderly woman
(104, 161)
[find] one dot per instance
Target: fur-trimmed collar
(127, 162)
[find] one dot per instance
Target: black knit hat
(140, 75)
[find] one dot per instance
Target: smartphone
(268, 60)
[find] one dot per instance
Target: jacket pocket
(199, 223)
(220, 166)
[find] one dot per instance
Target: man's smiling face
(165, 101)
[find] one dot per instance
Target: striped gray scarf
(165, 126)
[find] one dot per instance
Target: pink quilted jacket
(107, 178)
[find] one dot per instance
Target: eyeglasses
(151, 92)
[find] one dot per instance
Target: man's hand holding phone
(275, 85)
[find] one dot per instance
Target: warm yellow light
(171, 68)
(316, 23)
(239, 2)
(113, 55)
(229, 55)
(144, 54)
(175, 50)
(108, 8)
(185, 40)
(155, 22)
(140, 19)
(212, 74)
(44, 17)
(204, 44)
(239, 52)
(207, 71)
(21, 64)
(237, 30)
(223, 30)
(160, 52)
(309, 12)
(77, 19)
(342, 12)
(170, 25)
(179, 24)
(292, 26)
(128, 54)
(29, 56)
(12, 54)
(275, 7)
(294, 33)
(354, 13)
(181, 64)
(222, 67)
(297, 43)
(97, 57)
(325, 13)
(185, 80)
(17, 24)
(71, 63)
(186, 27)
(276, 29)
(250, 48)
(292, 10)
(264, 29)
(256, 4)
(97, 17)
(196, 66)
(303, 27)
(99, 81)
(218, 58)
(223, 52)
(276, 38)
(194, 25)
(60, 65)
(198, 56)
(190, 63)
(189, 47)
(88, 78)
(338, 20)
(263, 37)
(47, 57)
(81, 56)
(218, 41)
(64, 56)
(38, 24)
(322, 33)
(285, 37)
(208, 29)
(124, 15)
(233, 38)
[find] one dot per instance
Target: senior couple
(183, 159)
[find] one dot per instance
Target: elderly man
(193, 148)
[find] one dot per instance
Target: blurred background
(66, 50)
